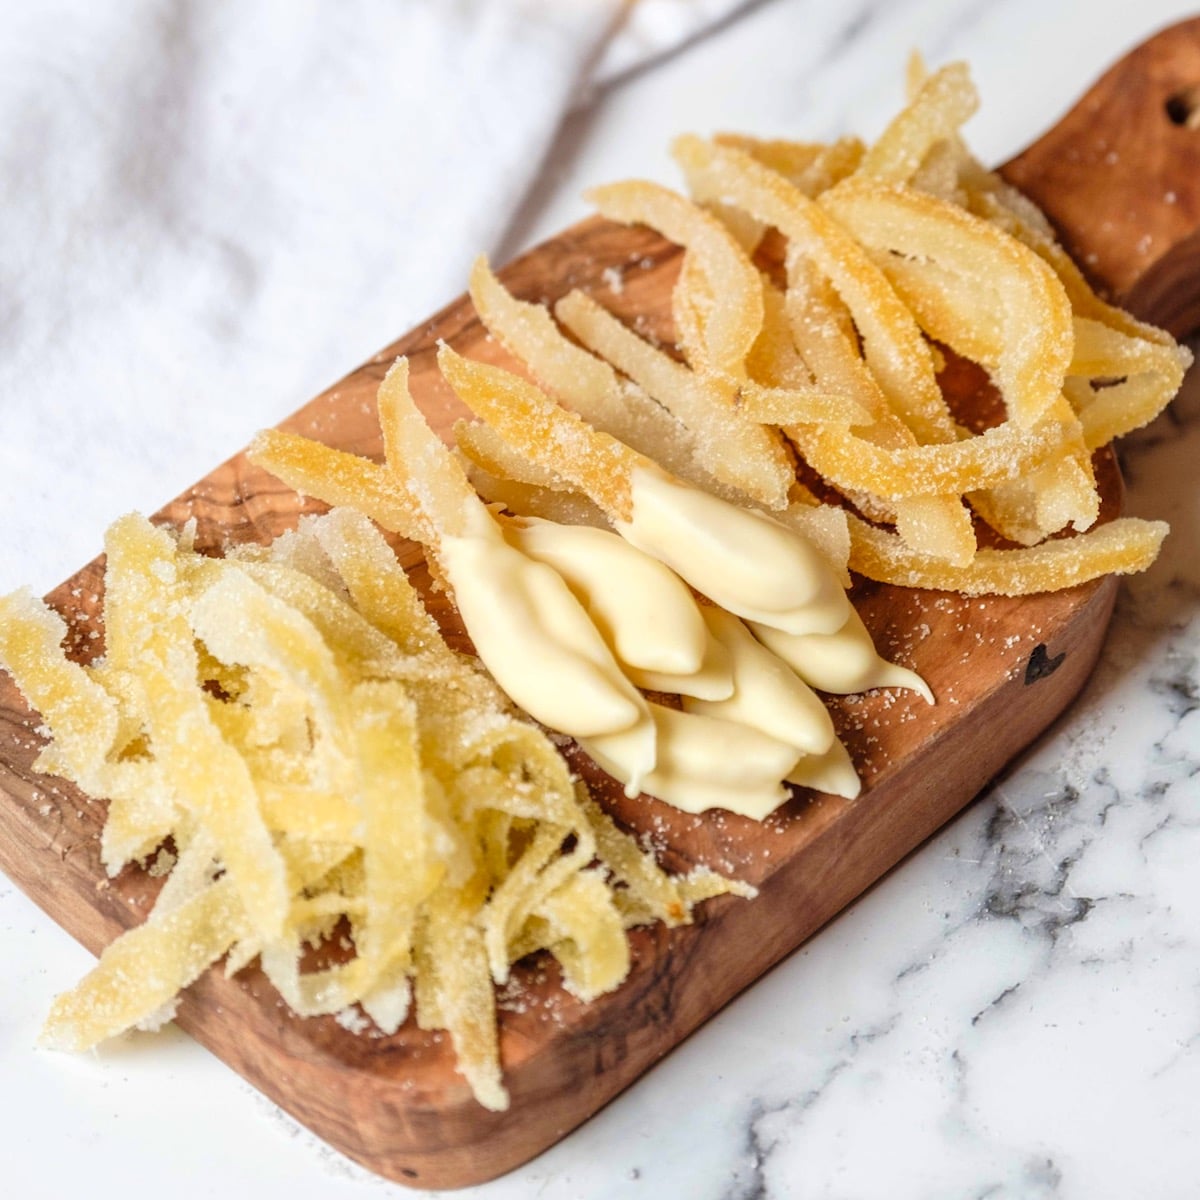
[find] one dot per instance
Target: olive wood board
(1002, 671)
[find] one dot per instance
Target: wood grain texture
(1002, 669)
(1119, 176)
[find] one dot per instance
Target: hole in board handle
(1183, 108)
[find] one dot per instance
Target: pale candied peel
(325, 766)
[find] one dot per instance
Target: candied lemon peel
(826, 355)
(895, 256)
(526, 590)
(291, 720)
(324, 765)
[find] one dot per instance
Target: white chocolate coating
(643, 610)
(768, 695)
(743, 561)
(713, 680)
(841, 662)
(704, 762)
(831, 772)
(535, 638)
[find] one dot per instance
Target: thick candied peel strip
(940, 104)
(729, 442)
(502, 476)
(418, 461)
(1012, 287)
(1138, 378)
(338, 478)
(599, 465)
(810, 166)
(823, 334)
(584, 383)
(1122, 547)
(1000, 454)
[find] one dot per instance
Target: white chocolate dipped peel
(842, 662)
(705, 762)
(528, 628)
(767, 694)
(831, 772)
(643, 609)
(739, 558)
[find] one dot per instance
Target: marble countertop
(1014, 1011)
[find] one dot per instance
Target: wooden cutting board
(1120, 176)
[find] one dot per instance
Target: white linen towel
(213, 209)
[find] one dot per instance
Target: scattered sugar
(160, 1017)
(614, 280)
(353, 1020)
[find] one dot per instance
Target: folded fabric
(213, 209)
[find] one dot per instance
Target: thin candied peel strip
(397, 864)
(725, 338)
(729, 442)
(586, 937)
(206, 773)
(145, 969)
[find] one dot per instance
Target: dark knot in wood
(1041, 664)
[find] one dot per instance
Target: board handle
(1119, 177)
